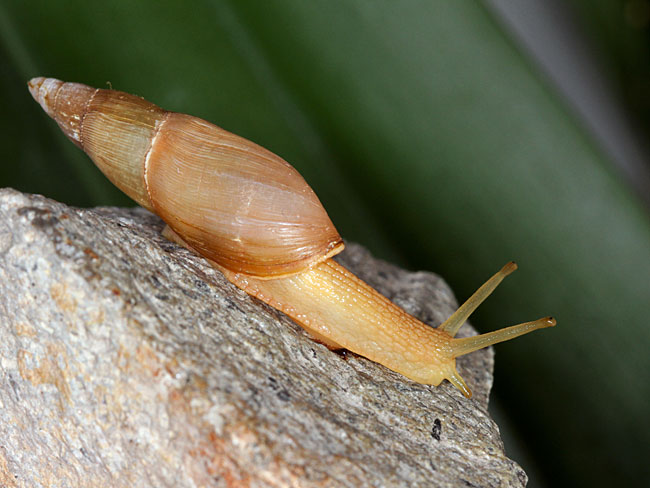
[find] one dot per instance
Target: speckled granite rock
(127, 361)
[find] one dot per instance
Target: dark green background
(431, 138)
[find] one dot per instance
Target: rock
(126, 360)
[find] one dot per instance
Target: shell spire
(65, 106)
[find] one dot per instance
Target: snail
(252, 216)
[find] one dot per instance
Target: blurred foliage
(431, 139)
(620, 29)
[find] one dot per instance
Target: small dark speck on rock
(43, 223)
(436, 429)
(35, 210)
(155, 281)
(230, 305)
(188, 293)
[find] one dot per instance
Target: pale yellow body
(339, 309)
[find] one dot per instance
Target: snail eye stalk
(458, 318)
(459, 347)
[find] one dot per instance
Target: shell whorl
(231, 200)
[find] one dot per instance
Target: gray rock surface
(127, 361)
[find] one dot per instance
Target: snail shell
(251, 212)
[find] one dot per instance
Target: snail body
(255, 218)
